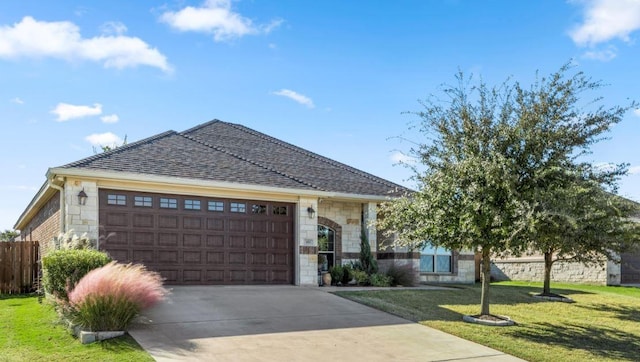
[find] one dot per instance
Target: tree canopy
(489, 154)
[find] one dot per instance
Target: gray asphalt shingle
(221, 151)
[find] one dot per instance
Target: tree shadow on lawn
(624, 313)
(600, 341)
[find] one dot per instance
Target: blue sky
(333, 77)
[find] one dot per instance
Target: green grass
(30, 331)
(602, 325)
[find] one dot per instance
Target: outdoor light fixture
(311, 212)
(82, 197)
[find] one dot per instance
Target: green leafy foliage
(347, 274)
(361, 277)
(380, 280)
(62, 269)
(337, 273)
(367, 262)
(492, 162)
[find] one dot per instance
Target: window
(192, 204)
(435, 260)
(116, 200)
(166, 203)
(326, 248)
(145, 201)
(259, 209)
(216, 206)
(279, 210)
(238, 207)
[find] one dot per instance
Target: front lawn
(602, 325)
(31, 332)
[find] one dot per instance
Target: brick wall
(45, 225)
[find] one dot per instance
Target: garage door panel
(215, 276)
(216, 224)
(192, 222)
(168, 239)
(142, 256)
(168, 257)
(215, 258)
(143, 221)
(238, 225)
(142, 238)
(117, 219)
(215, 241)
(168, 221)
(192, 240)
(237, 241)
(217, 244)
(238, 258)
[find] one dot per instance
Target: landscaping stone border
(501, 321)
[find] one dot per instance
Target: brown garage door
(200, 240)
(630, 268)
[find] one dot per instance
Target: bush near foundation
(62, 269)
(110, 297)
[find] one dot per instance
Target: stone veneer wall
(46, 224)
(307, 264)
(348, 215)
(571, 272)
(82, 218)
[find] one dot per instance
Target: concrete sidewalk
(288, 323)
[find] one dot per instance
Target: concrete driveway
(288, 323)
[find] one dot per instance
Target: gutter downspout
(62, 204)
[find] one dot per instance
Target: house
(224, 204)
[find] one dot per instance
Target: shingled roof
(221, 151)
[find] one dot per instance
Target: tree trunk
(486, 279)
(548, 263)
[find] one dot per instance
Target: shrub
(62, 269)
(347, 274)
(337, 272)
(108, 298)
(380, 280)
(361, 277)
(367, 262)
(403, 274)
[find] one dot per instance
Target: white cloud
(399, 157)
(17, 100)
(112, 118)
(601, 55)
(113, 27)
(302, 99)
(605, 20)
(604, 166)
(637, 112)
(66, 111)
(634, 170)
(31, 38)
(215, 17)
(104, 139)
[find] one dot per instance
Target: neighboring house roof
(221, 151)
(228, 153)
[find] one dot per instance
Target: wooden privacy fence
(18, 266)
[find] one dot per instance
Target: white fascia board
(169, 180)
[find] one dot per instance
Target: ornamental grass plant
(110, 297)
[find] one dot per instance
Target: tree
(576, 216)
(467, 194)
(8, 235)
(498, 163)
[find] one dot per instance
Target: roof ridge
(220, 149)
(315, 155)
(215, 120)
(119, 149)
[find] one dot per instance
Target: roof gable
(221, 151)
